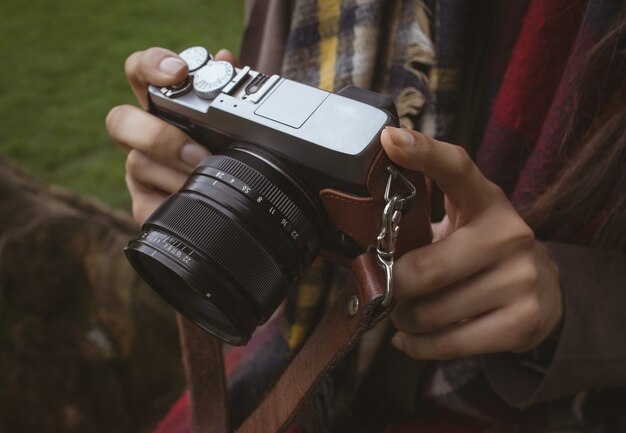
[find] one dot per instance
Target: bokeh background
(62, 70)
(85, 345)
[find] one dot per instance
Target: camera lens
(224, 249)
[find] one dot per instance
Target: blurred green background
(62, 70)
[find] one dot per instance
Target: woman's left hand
(485, 284)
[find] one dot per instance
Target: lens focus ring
(223, 241)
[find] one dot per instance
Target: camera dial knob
(209, 81)
(195, 57)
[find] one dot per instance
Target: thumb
(446, 164)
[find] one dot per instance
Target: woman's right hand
(160, 156)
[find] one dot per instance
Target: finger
(446, 164)
(483, 292)
(156, 66)
(499, 331)
(449, 260)
(133, 128)
(153, 174)
(442, 229)
(227, 56)
(145, 200)
(451, 212)
(477, 245)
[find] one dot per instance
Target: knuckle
(432, 268)
(426, 144)
(151, 56)
(535, 318)
(159, 143)
(525, 235)
(527, 273)
(521, 233)
(131, 64)
(426, 318)
(464, 163)
(460, 153)
(531, 325)
(135, 162)
(495, 191)
(444, 347)
(460, 167)
(516, 236)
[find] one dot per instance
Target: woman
(527, 268)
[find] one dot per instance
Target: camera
(226, 247)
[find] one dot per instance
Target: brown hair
(589, 194)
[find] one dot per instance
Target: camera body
(332, 135)
(291, 175)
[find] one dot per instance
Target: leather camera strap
(343, 208)
(355, 311)
(204, 371)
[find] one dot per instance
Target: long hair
(590, 190)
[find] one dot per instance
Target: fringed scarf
(384, 46)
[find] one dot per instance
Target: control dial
(209, 81)
(195, 57)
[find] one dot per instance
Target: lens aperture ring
(263, 186)
(268, 197)
(265, 204)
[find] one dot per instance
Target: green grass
(62, 70)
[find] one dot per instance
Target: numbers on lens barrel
(167, 244)
(265, 204)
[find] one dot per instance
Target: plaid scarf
(377, 45)
(543, 44)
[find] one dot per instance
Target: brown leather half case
(359, 217)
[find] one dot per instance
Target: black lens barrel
(230, 242)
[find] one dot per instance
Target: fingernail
(171, 65)
(396, 341)
(400, 137)
(224, 54)
(192, 153)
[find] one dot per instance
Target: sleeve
(590, 351)
(267, 24)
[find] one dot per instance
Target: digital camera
(225, 248)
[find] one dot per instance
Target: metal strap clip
(395, 206)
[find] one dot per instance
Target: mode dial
(195, 57)
(211, 78)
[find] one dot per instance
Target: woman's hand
(160, 156)
(485, 284)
